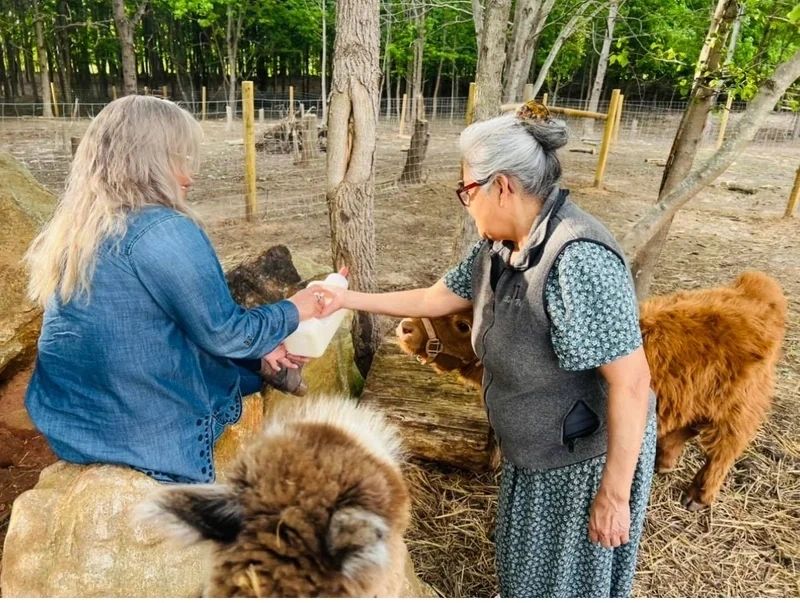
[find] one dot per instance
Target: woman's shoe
(287, 380)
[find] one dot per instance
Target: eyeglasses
(462, 192)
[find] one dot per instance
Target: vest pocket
(581, 421)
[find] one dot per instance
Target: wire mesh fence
(290, 188)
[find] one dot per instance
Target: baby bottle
(314, 334)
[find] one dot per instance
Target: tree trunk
(488, 83)
(436, 86)
(530, 19)
(562, 37)
(602, 65)
(491, 58)
(44, 66)
(386, 64)
(63, 48)
(660, 214)
(688, 137)
(233, 33)
(419, 46)
(324, 66)
(126, 26)
(412, 172)
(477, 20)
(352, 131)
(4, 77)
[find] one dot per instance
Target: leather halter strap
(434, 348)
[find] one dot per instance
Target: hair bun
(550, 133)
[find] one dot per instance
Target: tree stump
(309, 138)
(412, 172)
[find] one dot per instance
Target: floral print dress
(541, 537)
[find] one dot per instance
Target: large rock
(24, 207)
(71, 536)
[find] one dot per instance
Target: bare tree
(689, 134)
(126, 26)
(352, 131)
(487, 96)
(577, 18)
(477, 20)
(660, 215)
(323, 71)
(44, 66)
(491, 58)
(602, 65)
(530, 17)
(233, 33)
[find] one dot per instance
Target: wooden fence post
(113, 92)
(203, 104)
(164, 92)
(618, 118)
(723, 123)
(606, 144)
(794, 197)
(291, 103)
(249, 151)
(470, 113)
(401, 131)
(55, 99)
(545, 98)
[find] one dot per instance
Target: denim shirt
(148, 368)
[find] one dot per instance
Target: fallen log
(440, 419)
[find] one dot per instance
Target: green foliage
(656, 45)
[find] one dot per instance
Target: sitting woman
(565, 380)
(143, 356)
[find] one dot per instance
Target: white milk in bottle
(314, 334)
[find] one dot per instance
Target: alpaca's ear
(192, 513)
(358, 539)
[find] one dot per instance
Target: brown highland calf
(315, 507)
(712, 356)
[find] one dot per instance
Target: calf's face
(445, 343)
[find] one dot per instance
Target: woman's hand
(609, 520)
(311, 302)
(279, 358)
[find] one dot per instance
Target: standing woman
(143, 356)
(566, 381)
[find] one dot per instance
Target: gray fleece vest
(543, 416)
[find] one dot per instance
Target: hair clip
(533, 110)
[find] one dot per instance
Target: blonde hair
(128, 158)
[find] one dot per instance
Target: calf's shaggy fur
(712, 356)
(316, 506)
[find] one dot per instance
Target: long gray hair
(522, 149)
(129, 157)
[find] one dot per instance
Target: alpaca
(712, 356)
(316, 506)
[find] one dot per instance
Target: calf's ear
(193, 513)
(357, 539)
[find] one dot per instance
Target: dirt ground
(746, 545)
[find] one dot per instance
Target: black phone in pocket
(581, 421)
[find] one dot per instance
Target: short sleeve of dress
(592, 306)
(459, 278)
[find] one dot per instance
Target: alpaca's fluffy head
(316, 506)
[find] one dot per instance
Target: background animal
(712, 356)
(315, 507)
